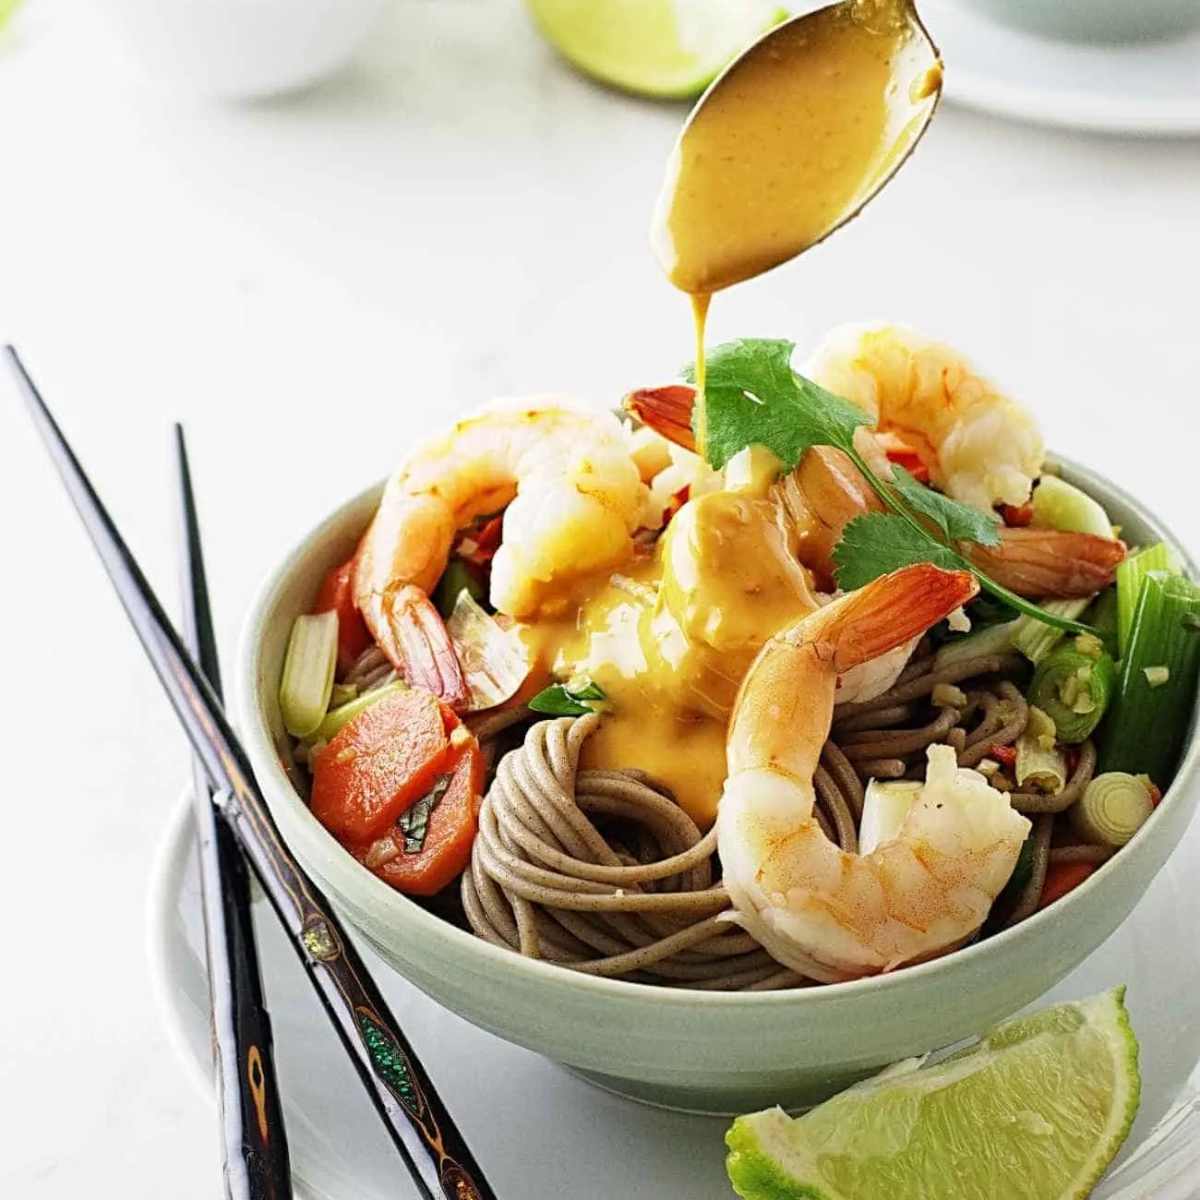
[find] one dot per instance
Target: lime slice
(1034, 1111)
(670, 48)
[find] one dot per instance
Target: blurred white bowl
(240, 49)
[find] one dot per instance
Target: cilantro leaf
(876, 543)
(567, 699)
(958, 522)
(752, 395)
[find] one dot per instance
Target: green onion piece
(342, 693)
(1041, 766)
(1113, 807)
(455, 578)
(1058, 504)
(308, 671)
(1148, 724)
(995, 639)
(1035, 639)
(885, 805)
(345, 713)
(1074, 685)
(567, 699)
(1102, 617)
(1130, 574)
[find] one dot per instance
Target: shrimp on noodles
(827, 913)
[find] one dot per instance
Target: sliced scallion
(1147, 726)
(308, 671)
(1035, 639)
(1113, 807)
(995, 639)
(345, 713)
(1130, 574)
(1074, 685)
(1061, 505)
(1040, 765)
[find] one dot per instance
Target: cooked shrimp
(820, 910)
(1050, 562)
(826, 491)
(980, 446)
(573, 497)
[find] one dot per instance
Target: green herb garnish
(413, 823)
(567, 699)
(752, 396)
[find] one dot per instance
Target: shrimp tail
(666, 410)
(1049, 562)
(887, 613)
(423, 646)
(773, 711)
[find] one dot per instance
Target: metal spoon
(793, 139)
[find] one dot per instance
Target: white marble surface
(306, 283)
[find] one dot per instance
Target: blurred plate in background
(1145, 87)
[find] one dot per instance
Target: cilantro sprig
(752, 396)
(570, 699)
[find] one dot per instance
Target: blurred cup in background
(239, 49)
(1095, 20)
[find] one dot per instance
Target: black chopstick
(255, 1162)
(421, 1128)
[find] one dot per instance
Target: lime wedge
(668, 48)
(1033, 1111)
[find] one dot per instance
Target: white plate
(1152, 87)
(542, 1133)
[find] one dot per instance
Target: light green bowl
(701, 1051)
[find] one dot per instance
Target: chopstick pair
(420, 1126)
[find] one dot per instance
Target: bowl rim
(270, 776)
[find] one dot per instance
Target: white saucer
(540, 1132)
(1149, 88)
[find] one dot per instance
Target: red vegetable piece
(449, 835)
(910, 460)
(337, 595)
(1062, 878)
(1017, 516)
(1006, 755)
(380, 763)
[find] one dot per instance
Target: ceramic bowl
(700, 1051)
(1095, 20)
(240, 49)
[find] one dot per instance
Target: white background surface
(307, 283)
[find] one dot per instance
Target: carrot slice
(449, 835)
(1062, 878)
(337, 595)
(380, 763)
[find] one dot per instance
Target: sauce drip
(791, 142)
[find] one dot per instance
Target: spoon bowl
(793, 139)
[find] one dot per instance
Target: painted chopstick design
(255, 1160)
(420, 1126)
